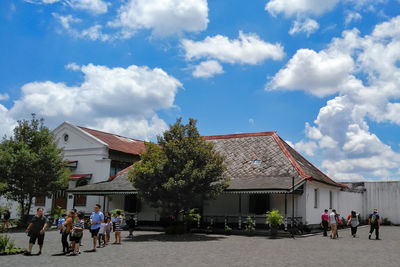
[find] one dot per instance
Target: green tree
(31, 164)
(180, 172)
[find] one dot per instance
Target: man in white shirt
(333, 223)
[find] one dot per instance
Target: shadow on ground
(173, 238)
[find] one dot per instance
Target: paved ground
(155, 249)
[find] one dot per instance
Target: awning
(80, 176)
(72, 164)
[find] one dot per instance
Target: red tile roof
(117, 142)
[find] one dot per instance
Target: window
(40, 201)
(315, 198)
(330, 199)
(259, 203)
(80, 200)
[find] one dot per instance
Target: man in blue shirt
(64, 241)
(96, 219)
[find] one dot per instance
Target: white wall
(349, 201)
(385, 196)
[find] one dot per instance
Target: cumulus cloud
(291, 8)
(307, 26)
(247, 49)
(112, 99)
(207, 69)
(320, 74)
(362, 75)
(7, 123)
(163, 17)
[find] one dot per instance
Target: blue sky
(324, 74)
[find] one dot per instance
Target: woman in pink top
(325, 222)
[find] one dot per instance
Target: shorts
(75, 239)
(94, 232)
(38, 236)
(333, 226)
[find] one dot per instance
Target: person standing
(60, 226)
(374, 221)
(333, 224)
(353, 222)
(96, 219)
(325, 222)
(108, 229)
(6, 216)
(77, 232)
(36, 230)
(118, 227)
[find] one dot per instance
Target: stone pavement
(156, 249)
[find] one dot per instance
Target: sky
(324, 74)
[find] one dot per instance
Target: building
(265, 173)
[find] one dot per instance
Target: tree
(31, 164)
(180, 172)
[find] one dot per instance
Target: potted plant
(228, 230)
(274, 219)
(250, 225)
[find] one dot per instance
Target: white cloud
(251, 121)
(307, 26)
(107, 97)
(7, 123)
(320, 74)
(93, 33)
(4, 97)
(93, 6)
(207, 69)
(73, 66)
(341, 131)
(163, 17)
(247, 49)
(308, 148)
(299, 7)
(352, 16)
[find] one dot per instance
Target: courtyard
(156, 249)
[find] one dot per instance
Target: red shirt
(325, 216)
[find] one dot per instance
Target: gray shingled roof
(277, 164)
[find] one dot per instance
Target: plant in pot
(250, 225)
(274, 219)
(228, 230)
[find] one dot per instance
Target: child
(131, 225)
(118, 228)
(109, 228)
(101, 234)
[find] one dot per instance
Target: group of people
(333, 220)
(72, 225)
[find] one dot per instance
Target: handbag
(77, 234)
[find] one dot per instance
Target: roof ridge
(83, 128)
(314, 166)
(238, 135)
(120, 172)
(289, 156)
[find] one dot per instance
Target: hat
(63, 215)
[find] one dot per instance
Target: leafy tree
(180, 172)
(31, 164)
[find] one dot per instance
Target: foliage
(180, 172)
(6, 243)
(114, 212)
(274, 219)
(31, 164)
(227, 228)
(250, 225)
(57, 212)
(191, 216)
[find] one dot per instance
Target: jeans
(376, 228)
